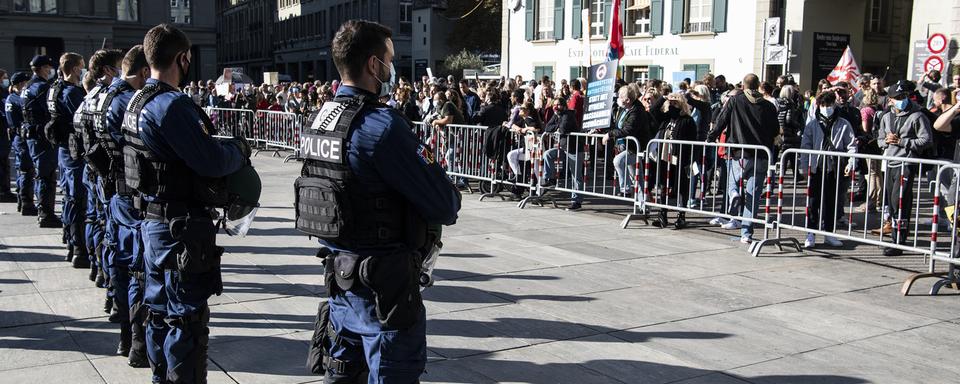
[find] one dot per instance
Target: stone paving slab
(537, 295)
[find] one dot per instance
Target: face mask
(5, 83)
(901, 104)
(83, 74)
(826, 111)
(386, 88)
(436, 104)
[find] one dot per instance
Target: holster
(98, 158)
(196, 249)
(75, 145)
(394, 281)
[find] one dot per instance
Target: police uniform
(26, 172)
(5, 146)
(362, 157)
(123, 219)
(44, 156)
(171, 159)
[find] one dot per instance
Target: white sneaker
(832, 241)
(732, 224)
(745, 239)
(718, 221)
(811, 239)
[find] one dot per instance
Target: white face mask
(827, 111)
(386, 88)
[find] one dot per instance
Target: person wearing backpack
(905, 132)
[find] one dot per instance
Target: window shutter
(531, 26)
(655, 72)
(656, 17)
(676, 17)
(719, 15)
(557, 19)
(577, 26)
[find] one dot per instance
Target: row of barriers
(908, 203)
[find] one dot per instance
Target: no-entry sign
(937, 43)
(933, 63)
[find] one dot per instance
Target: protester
(674, 160)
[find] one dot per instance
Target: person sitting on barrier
(905, 133)
(528, 129)
(747, 119)
(829, 132)
(562, 124)
(631, 121)
(673, 160)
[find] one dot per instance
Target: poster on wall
(601, 82)
(827, 50)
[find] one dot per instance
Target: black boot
(80, 257)
(69, 253)
(661, 220)
(123, 349)
(138, 345)
(28, 209)
(681, 221)
(93, 272)
(196, 362)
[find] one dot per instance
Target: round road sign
(933, 63)
(937, 43)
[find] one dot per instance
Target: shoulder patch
(425, 154)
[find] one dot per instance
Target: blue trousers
(74, 203)
(5, 147)
(44, 157)
(176, 338)
(390, 355)
(94, 217)
(749, 174)
(123, 226)
(26, 172)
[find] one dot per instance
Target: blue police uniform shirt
(384, 155)
(35, 97)
(71, 98)
(13, 111)
(171, 128)
(117, 108)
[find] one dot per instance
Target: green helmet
(243, 196)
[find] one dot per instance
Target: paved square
(537, 295)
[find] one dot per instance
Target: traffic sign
(937, 43)
(933, 63)
(776, 54)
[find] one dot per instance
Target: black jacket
(682, 128)
(563, 123)
(492, 115)
(636, 124)
(747, 122)
(410, 110)
(703, 107)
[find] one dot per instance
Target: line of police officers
(142, 178)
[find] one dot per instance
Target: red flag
(616, 34)
(846, 70)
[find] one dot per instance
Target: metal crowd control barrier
(278, 131)
(819, 199)
(945, 198)
(230, 122)
(459, 149)
(731, 182)
(582, 165)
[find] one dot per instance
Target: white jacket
(841, 137)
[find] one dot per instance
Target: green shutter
(557, 19)
(577, 26)
(607, 16)
(574, 73)
(719, 15)
(531, 26)
(656, 17)
(655, 72)
(676, 17)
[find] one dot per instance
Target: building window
(875, 17)
(35, 6)
(699, 70)
(636, 73)
(180, 12)
(406, 18)
(540, 71)
(128, 10)
(545, 20)
(597, 21)
(638, 18)
(173, 3)
(699, 16)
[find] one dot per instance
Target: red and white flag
(846, 70)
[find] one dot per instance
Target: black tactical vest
(104, 150)
(81, 137)
(31, 116)
(60, 126)
(329, 205)
(170, 181)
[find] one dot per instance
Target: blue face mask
(5, 83)
(901, 104)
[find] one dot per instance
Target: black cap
(901, 89)
(19, 77)
(41, 60)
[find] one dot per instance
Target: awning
(638, 5)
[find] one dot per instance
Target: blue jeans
(177, 332)
(753, 174)
(26, 172)
(391, 355)
(44, 157)
(573, 167)
(625, 165)
(74, 203)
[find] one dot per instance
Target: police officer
(6, 136)
(35, 117)
(174, 163)
(13, 110)
(363, 157)
(123, 219)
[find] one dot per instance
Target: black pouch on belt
(196, 250)
(394, 281)
(345, 267)
(98, 158)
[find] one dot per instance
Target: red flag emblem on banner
(846, 70)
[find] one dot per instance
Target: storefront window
(35, 6)
(636, 73)
(541, 71)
